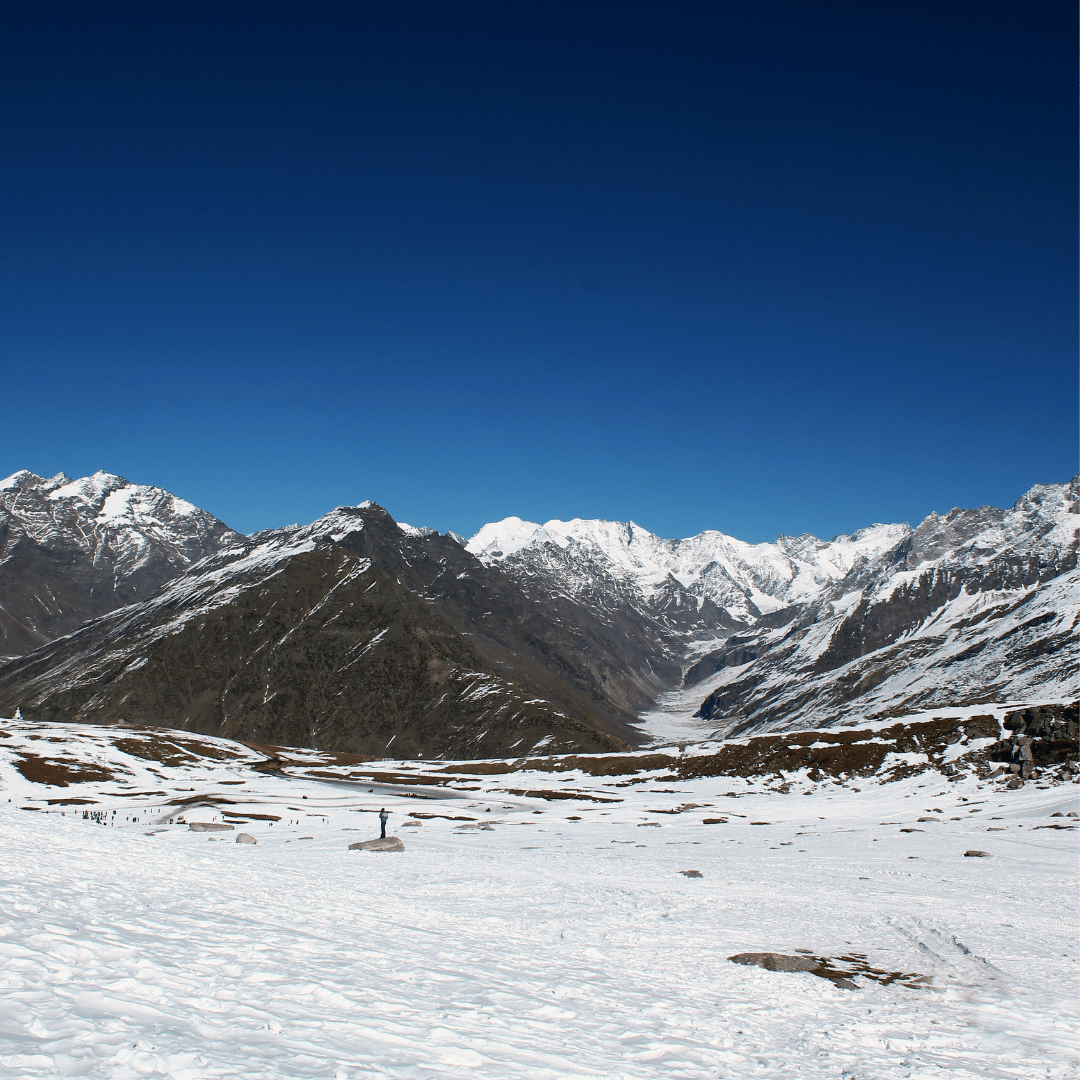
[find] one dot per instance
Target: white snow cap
(711, 565)
(506, 536)
(24, 478)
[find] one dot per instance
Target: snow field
(564, 943)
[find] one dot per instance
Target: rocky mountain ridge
(71, 550)
(971, 605)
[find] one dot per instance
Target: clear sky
(767, 267)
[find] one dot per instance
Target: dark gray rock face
(1043, 736)
(735, 652)
(71, 550)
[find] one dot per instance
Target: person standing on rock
(383, 815)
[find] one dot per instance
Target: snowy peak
(743, 579)
(502, 538)
(1043, 522)
(795, 631)
(747, 579)
(92, 490)
(71, 550)
(26, 479)
(62, 510)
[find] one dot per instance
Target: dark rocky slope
(350, 634)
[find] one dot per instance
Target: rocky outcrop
(1044, 739)
(841, 971)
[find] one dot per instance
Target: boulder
(771, 961)
(976, 854)
(245, 838)
(390, 843)
(209, 826)
(839, 970)
(691, 873)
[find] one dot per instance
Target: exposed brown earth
(858, 753)
(1041, 741)
(540, 794)
(39, 770)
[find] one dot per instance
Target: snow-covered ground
(520, 935)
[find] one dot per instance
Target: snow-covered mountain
(744, 580)
(71, 550)
(974, 603)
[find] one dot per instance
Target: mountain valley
(359, 634)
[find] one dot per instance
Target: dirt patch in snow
(541, 794)
(172, 751)
(39, 770)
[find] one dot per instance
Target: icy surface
(518, 936)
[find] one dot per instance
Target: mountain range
(121, 603)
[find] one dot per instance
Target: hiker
(383, 815)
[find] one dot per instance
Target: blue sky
(762, 267)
